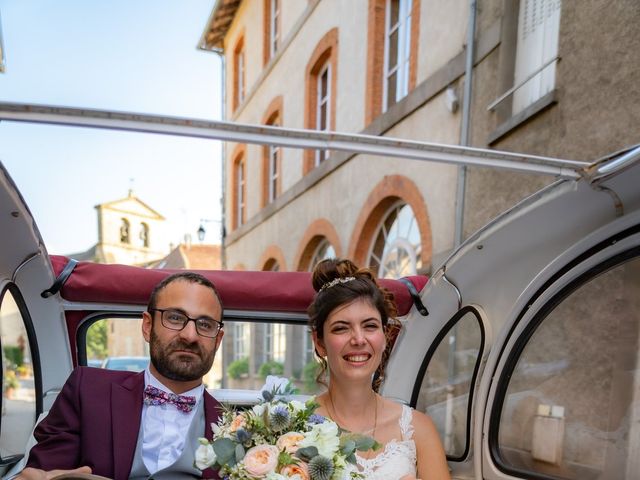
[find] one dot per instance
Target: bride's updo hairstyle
(339, 282)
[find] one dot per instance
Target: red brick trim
(316, 231)
(238, 160)
(272, 116)
(414, 43)
(273, 253)
(390, 189)
(325, 51)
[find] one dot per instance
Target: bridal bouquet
(280, 438)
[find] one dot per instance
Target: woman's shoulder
(426, 433)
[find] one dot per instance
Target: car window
(449, 378)
(18, 384)
(249, 352)
(572, 403)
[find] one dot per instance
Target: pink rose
(261, 459)
(237, 422)
(301, 469)
(289, 442)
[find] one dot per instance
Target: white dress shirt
(164, 427)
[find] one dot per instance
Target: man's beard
(180, 369)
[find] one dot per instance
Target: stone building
(548, 77)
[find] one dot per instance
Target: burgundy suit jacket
(95, 421)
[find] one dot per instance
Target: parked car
(523, 346)
(131, 364)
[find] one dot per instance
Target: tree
(97, 340)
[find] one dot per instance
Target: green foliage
(309, 374)
(10, 380)
(270, 368)
(97, 340)
(238, 368)
(13, 354)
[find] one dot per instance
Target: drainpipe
(466, 118)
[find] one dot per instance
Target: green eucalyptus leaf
(225, 450)
(240, 452)
(348, 447)
(364, 443)
(306, 453)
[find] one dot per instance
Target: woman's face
(353, 342)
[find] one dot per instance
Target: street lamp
(201, 230)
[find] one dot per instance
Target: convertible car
(523, 346)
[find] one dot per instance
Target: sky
(127, 55)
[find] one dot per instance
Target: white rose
(275, 383)
(205, 456)
(274, 476)
(324, 437)
(297, 406)
(259, 409)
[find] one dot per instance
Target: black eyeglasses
(176, 320)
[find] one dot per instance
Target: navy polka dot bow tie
(155, 396)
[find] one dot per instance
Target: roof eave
(218, 24)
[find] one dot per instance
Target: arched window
(321, 93)
(271, 265)
(393, 52)
(323, 251)
(144, 234)
(124, 231)
(396, 248)
(239, 190)
(238, 74)
(271, 39)
(272, 156)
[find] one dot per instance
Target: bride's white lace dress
(398, 457)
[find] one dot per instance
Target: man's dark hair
(190, 277)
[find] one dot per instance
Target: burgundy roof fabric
(240, 290)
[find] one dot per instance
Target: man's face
(182, 356)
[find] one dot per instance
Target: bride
(349, 320)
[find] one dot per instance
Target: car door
(563, 394)
(33, 369)
(527, 359)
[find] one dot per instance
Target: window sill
(525, 115)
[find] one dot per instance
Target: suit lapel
(212, 412)
(126, 411)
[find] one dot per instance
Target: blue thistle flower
(320, 468)
(279, 418)
(315, 419)
(242, 435)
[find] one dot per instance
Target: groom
(141, 425)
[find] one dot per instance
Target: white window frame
(273, 174)
(537, 46)
(240, 340)
(273, 154)
(323, 101)
(274, 15)
(402, 64)
(240, 182)
(275, 342)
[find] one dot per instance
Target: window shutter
(538, 31)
